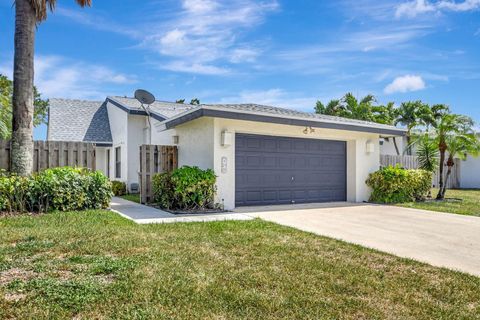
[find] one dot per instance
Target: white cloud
(273, 97)
(206, 34)
(101, 23)
(56, 76)
(411, 9)
(405, 83)
(244, 55)
(197, 68)
(199, 6)
(466, 5)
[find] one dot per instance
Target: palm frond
(427, 153)
(42, 6)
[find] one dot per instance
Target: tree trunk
(409, 149)
(444, 189)
(395, 144)
(22, 122)
(450, 164)
(442, 149)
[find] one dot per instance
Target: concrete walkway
(440, 239)
(144, 214)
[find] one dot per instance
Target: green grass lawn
(135, 197)
(95, 264)
(470, 204)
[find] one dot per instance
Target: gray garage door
(280, 170)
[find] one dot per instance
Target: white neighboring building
(470, 173)
(261, 155)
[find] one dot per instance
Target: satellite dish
(144, 97)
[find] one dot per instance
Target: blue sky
(276, 52)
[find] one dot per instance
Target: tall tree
(386, 115)
(364, 109)
(447, 128)
(28, 13)
(195, 101)
(459, 146)
(412, 114)
(348, 107)
(40, 107)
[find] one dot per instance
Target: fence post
(154, 159)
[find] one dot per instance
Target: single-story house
(261, 155)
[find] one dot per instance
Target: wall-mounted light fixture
(226, 139)
(370, 147)
(175, 139)
(308, 130)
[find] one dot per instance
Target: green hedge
(61, 189)
(186, 188)
(119, 188)
(397, 185)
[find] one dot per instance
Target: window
(118, 163)
(108, 163)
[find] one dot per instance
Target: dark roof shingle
(78, 120)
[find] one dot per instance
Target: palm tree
(28, 13)
(448, 128)
(387, 115)
(427, 152)
(348, 107)
(412, 114)
(459, 145)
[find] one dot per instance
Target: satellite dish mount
(146, 98)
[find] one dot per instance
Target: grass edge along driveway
(96, 264)
(458, 201)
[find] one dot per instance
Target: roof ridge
(313, 114)
(70, 99)
(160, 101)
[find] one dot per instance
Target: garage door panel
(284, 162)
(265, 166)
(270, 144)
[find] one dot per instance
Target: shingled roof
(163, 109)
(262, 113)
(78, 120)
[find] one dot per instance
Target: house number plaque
(224, 164)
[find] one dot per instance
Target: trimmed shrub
(186, 188)
(119, 188)
(61, 189)
(397, 185)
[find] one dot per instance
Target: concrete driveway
(440, 239)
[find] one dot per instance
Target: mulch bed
(18, 214)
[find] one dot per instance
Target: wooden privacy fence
(411, 162)
(154, 159)
(51, 154)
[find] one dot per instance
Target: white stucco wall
(388, 147)
(196, 143)
(136, 137)
(100, 159)
(119, 128)
(129, 132)
(200, 145)
(470, 173)
(163, 138)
